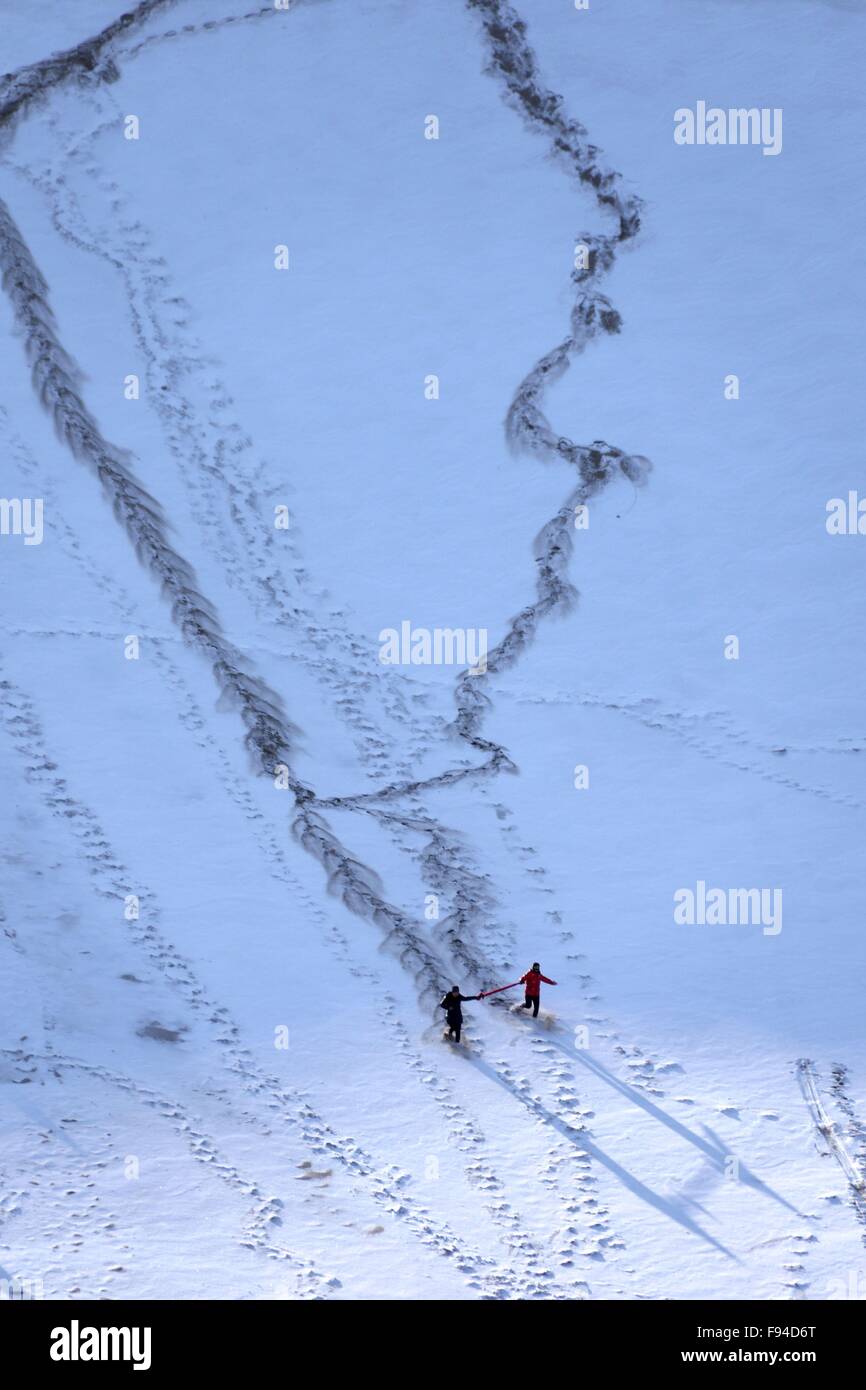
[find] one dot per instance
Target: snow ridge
(57, 380)
(19, 89)
(513, 61)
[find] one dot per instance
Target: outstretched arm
(546, 981)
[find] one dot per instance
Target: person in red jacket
(532, 979)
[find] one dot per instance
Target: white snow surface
(687, 1118)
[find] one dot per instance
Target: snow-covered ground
(229, 907)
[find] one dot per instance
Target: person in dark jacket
(453, 1012)
(532, 979)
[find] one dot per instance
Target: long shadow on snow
(715, 1151)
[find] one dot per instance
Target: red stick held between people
(451, 1001)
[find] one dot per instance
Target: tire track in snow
(856, 1129)
(807, 1075)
